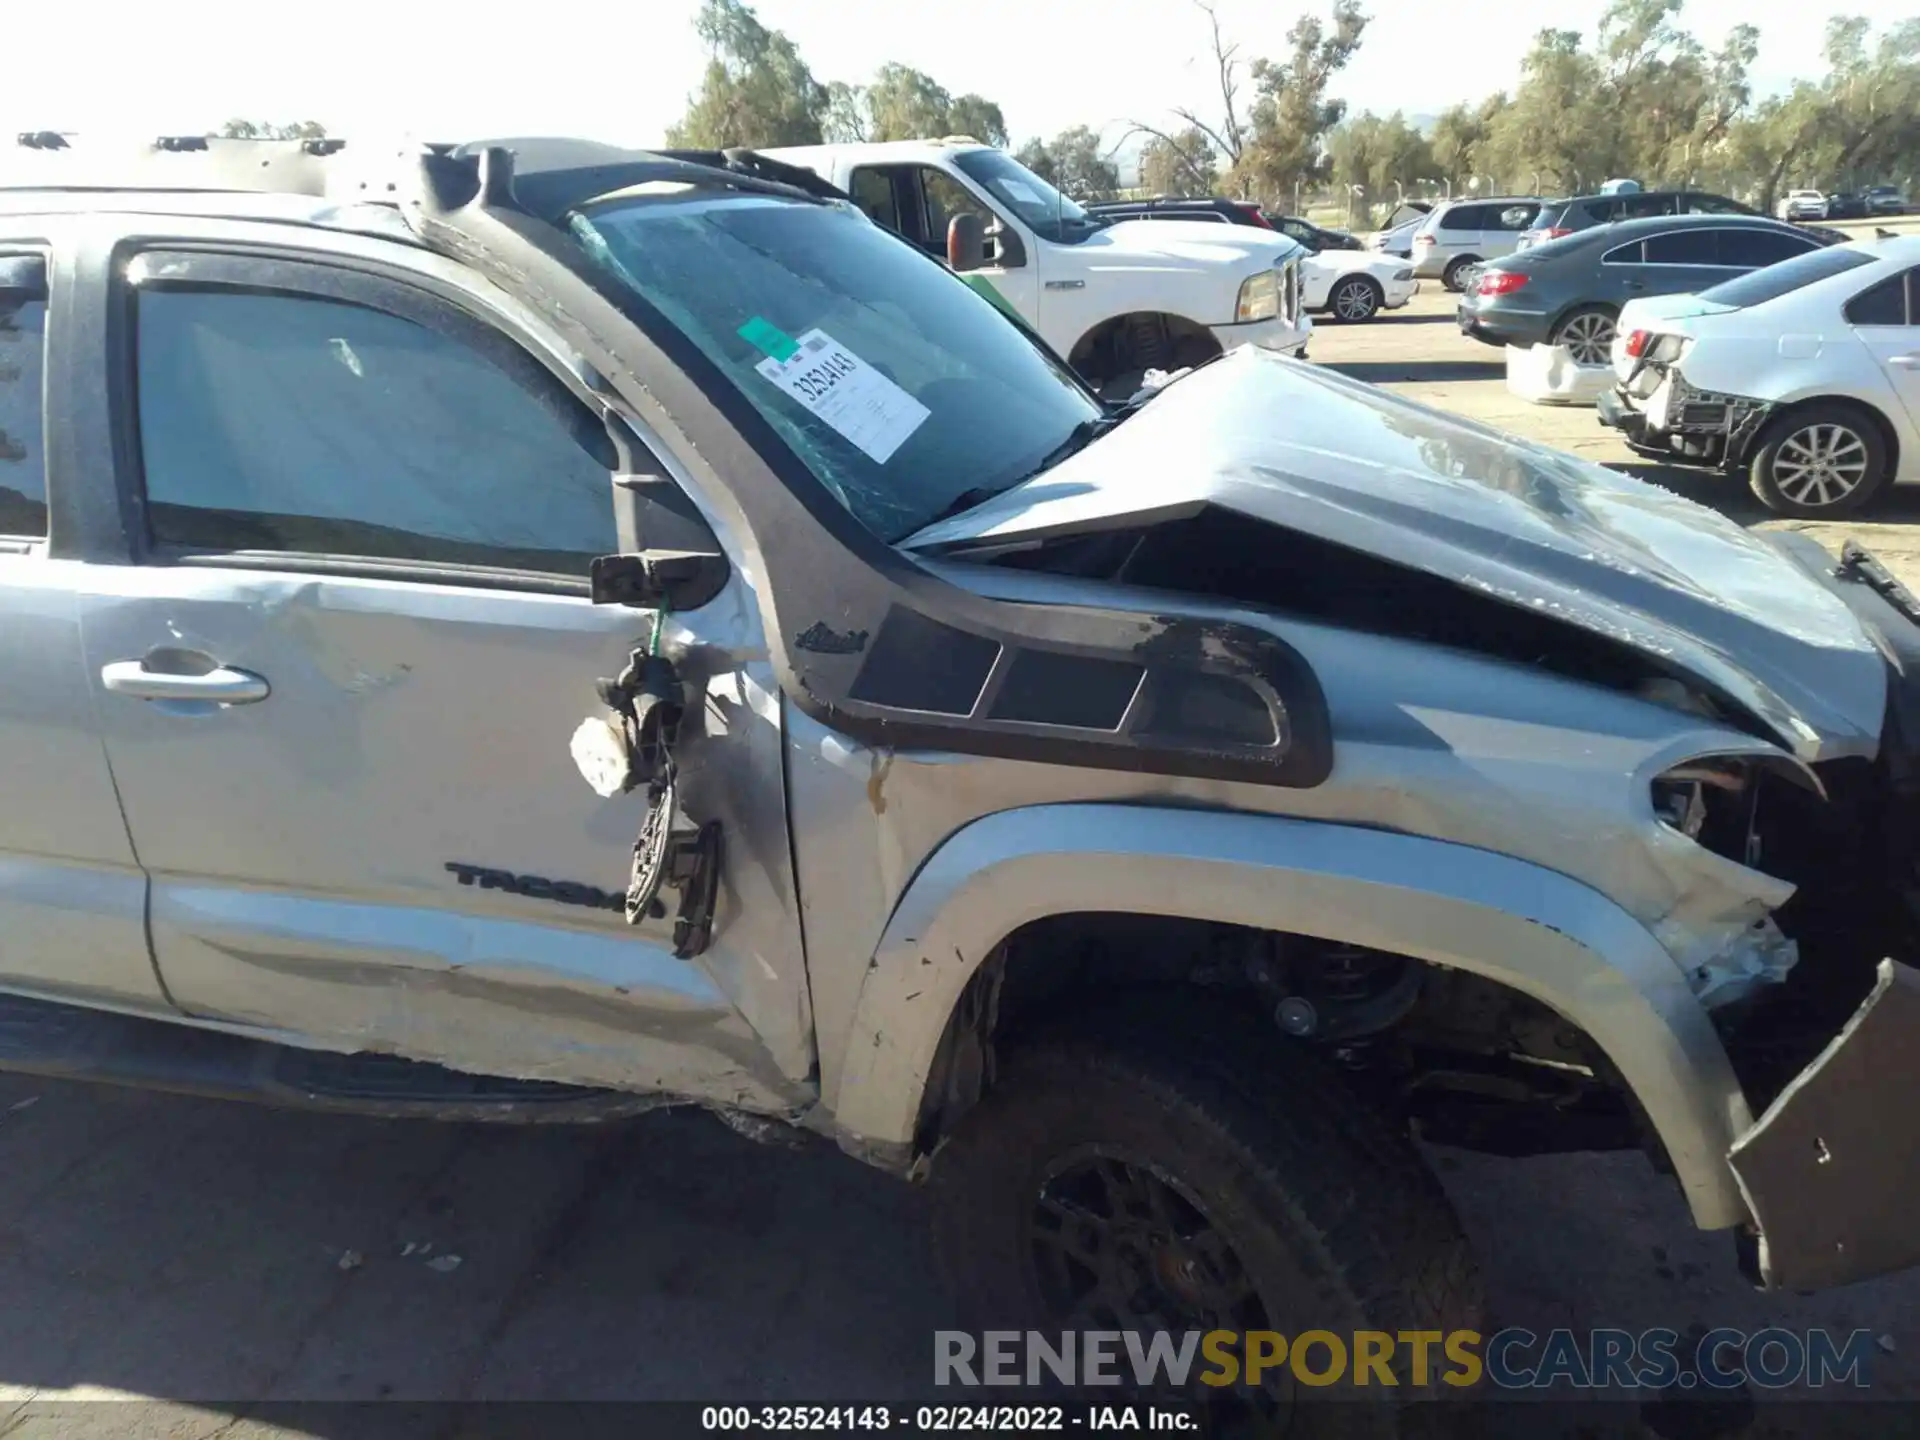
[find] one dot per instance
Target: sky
(621, 70)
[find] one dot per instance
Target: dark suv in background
(1558, 218)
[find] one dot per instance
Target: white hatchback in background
(1805, 376)
(1355, 284)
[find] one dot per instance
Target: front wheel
(1356, 298)
(1819, 462)
(1121, 1177)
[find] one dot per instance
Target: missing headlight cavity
(1716, 801)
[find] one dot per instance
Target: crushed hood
(1298, 446)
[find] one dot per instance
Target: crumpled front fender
(1539, 932)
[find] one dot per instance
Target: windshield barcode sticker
(847, 393)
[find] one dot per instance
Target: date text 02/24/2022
(945, 1419)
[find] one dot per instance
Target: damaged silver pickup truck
(1136, 822)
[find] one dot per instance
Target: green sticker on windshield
(768, 338)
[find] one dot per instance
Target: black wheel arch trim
(828, 588)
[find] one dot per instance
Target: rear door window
(872, 191)
(1684, 247)
(1751, 249)
(1641, 207)
(23, 345)
(1884, 304)
(1464, 217)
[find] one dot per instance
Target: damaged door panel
(1828, 1171)
(378, 501)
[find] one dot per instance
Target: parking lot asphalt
(214, 1256)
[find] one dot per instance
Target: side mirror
(966, 243)
(668, 555)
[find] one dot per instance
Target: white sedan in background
(1804, 205)
(1355, 284)
(1804, 376)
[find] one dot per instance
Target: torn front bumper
(1831, 1168)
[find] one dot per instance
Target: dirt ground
(216, 1256)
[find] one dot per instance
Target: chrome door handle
(220, 685)
(1907, 362)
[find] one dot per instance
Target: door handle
(219, 685)
(1907, 362)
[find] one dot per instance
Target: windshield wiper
(1078, 438)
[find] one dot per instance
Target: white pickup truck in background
(1115, 300)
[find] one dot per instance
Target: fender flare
(1529, 928)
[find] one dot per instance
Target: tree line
(1645, 99)
(1641, 98)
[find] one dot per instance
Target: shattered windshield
(897, 386)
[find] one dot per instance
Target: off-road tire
(1772, 483)
(1454, 276)
(1331, 1211)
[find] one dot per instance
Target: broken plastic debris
(351, 1260)
(30, 1101)
(445, 1264)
